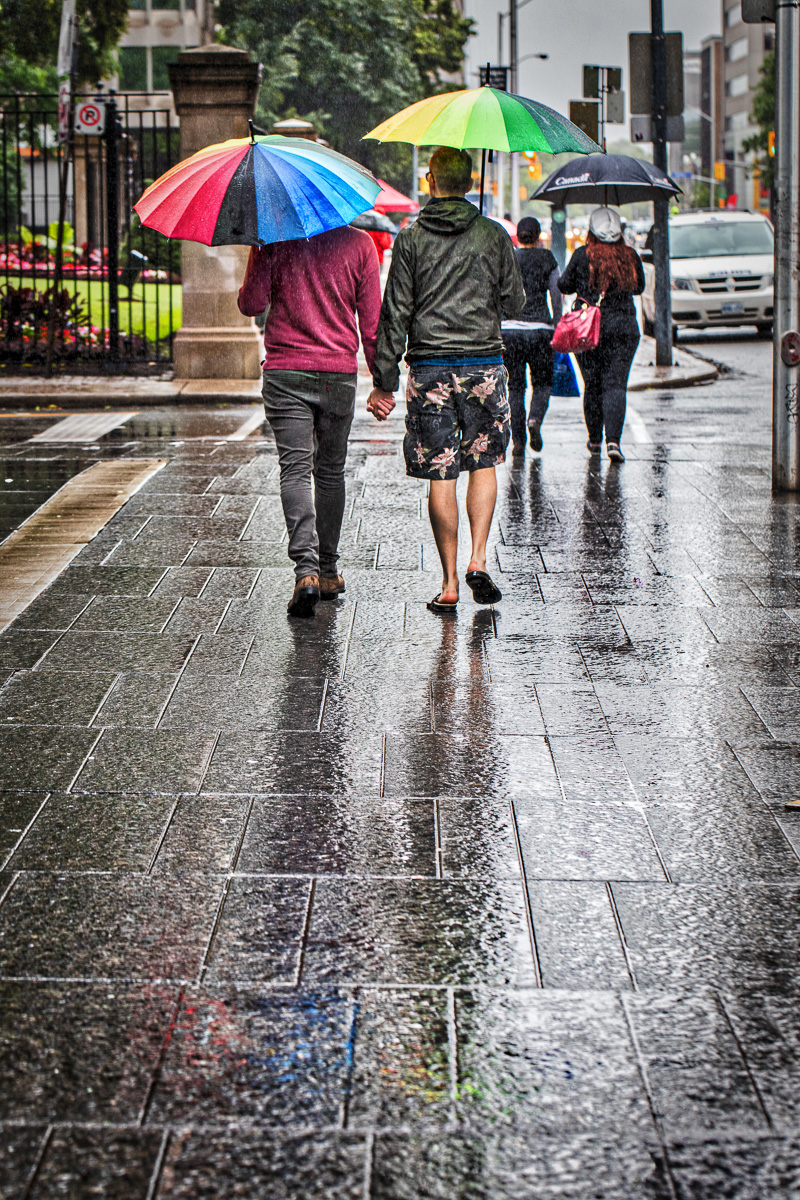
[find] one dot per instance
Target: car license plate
(732, 309)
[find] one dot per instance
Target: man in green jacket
(453, 278)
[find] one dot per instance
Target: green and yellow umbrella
(484, 119)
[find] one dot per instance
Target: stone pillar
(215, 90)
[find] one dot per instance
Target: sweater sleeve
(637, 291)
(395, 320)
(571, 280)
(368, 302)
(255, 292)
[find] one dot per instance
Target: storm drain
(34, 554)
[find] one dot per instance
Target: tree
(29, 32)
(348, 64)
(763, 115)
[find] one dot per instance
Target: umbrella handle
(252, 129)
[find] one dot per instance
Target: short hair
(452, 169)
(528, 231)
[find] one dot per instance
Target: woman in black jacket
(606, 267)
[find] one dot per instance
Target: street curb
(74, 391)
(687, 369)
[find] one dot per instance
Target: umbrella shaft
(483, 177)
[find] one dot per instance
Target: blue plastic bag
(565, 382)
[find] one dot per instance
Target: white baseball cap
(605, 225)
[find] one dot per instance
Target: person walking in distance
(527, 340)
(313, 289)
(608, 272)
(452, 279)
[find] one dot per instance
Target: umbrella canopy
(253, 191)
(605, 179)
(484, 119)
(372, 219)
(390, 200)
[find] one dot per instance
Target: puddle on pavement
(25, 484)
(181, 423)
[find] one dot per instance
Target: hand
(380, 403)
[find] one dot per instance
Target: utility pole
(663, 306)
(514, 63)
(786, 311)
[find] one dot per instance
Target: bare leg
(481, 498)
(443, 512)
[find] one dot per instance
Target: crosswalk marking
(83, 427)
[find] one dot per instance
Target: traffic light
(771, 143)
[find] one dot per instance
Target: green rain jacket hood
(453, 278)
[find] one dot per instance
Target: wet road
(498, 906)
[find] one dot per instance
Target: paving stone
(17, 810)
(219, 654)
(144, 760)
(745, 1167)
(482, 1165)
(698, 841)
(401, 1068)
(126, 613)
(293, 704)
(773, 768)
(195, 615)
(19, 1151)
(291, 763)
(54, 697)
(697, 1076)
(117, 1165)
(477, 837)
(467, 765)
(80, 1051)
(679, 711)
(590, 767)
(779, 709)
(111, 580)
(260, 931)
(683, 769)
(577, 940)
(52, 610)
(724, 935)
(183, 581)
(586, 839)
(39, 757)
(549, 1063)
(94, 833)
(106, 926)
(339, 835)
(768, 1031)
(435, 932)
(138, 698)
(119, 652)
(204, 835)
(241, 1053)
(206, 1165)
(20, 648)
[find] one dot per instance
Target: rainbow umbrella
(257, 190)
(484, 119)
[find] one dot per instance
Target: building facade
(157, 32)
(743, 50)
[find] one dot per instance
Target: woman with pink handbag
(605, 274)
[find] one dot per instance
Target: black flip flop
(484, 591)
(440, 606)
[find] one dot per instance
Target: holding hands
(380, 403)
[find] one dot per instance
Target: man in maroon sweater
(313, 291)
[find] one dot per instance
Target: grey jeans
(311, 413)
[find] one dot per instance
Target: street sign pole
(663, 307)
(112, 217)
(786, 310)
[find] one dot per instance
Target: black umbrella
(605, 179)
(372, 219)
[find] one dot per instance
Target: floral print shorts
(457, 419)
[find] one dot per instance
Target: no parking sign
(90, 117)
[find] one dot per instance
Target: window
(738, 86)
(133, 69)
(737, 49)
(733, 16)
(707, 240)
(137, 5)
(162, 56)
(161, 4)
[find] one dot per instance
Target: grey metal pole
(663, 304)
(558, 237)
(514, 62)
(786, 304)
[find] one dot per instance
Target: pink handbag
(578, 330)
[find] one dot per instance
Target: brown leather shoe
(304, 597)
(330, 586)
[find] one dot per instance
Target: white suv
(721, 268)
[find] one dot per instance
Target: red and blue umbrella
(257, 190)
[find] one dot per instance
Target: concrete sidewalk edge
(687, 368)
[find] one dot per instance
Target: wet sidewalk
(499, 906)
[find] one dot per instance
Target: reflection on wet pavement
(495, 905)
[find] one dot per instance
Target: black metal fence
(117, 305)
